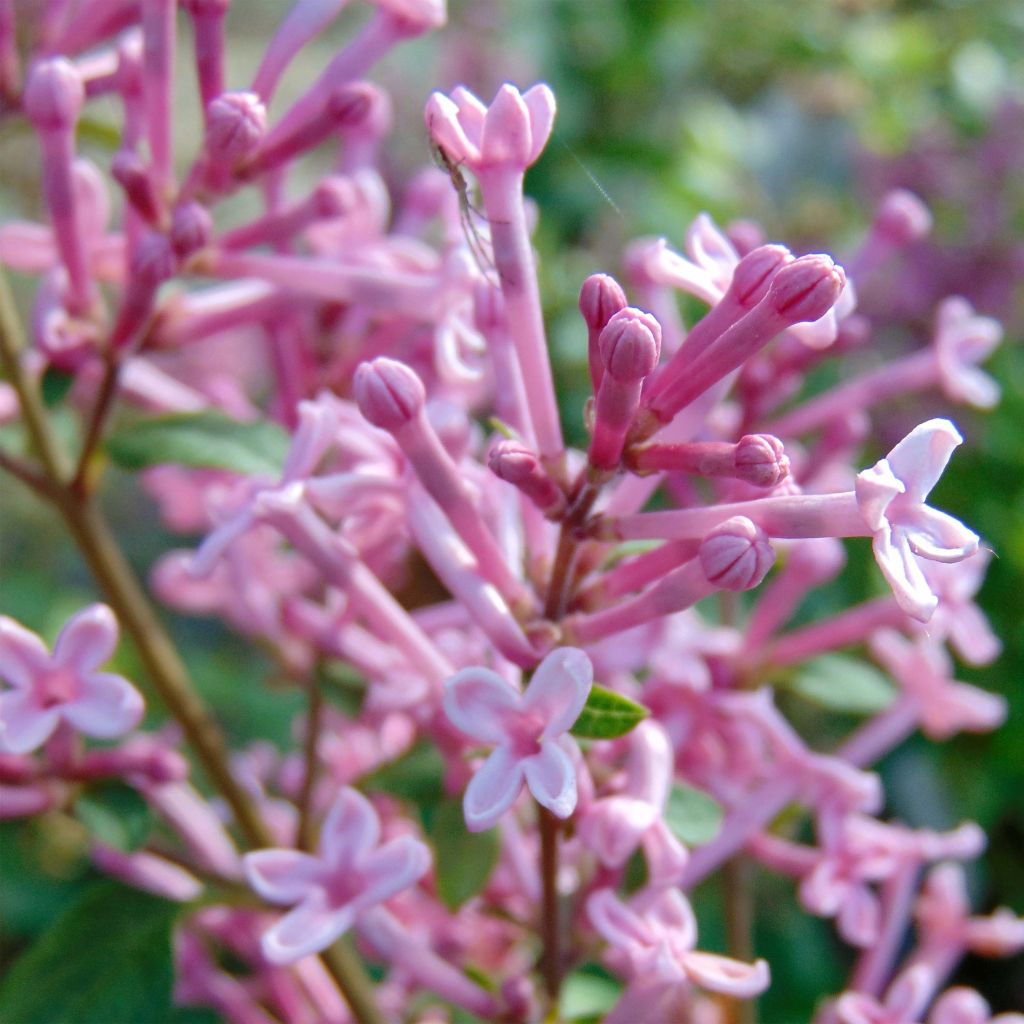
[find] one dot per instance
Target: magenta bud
(191, 229)
(754, 273)
(236, 124)
(206, 8)
(334, 196)
(630, 345)
(354, 103)
(902, 218)
(601, 297)
(520, 466)
(54, 94)
(806, 289)
(761, 460)
(736, 555)
(389, 394)
(154, 262)
(131, 174)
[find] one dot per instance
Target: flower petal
(728, 976)
(492, 790)
(281, 876)
(350, 831)
(903, 574)
(23, 655)
(24, 725)
(478, 702)
(397, 865)
(88, 639)
(618, 924)
(551, 777)
(311, 927)
(919, 459)
(613, 827)
(940, 536)
(559, 688)
(106, 706)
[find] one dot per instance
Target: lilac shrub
(346, 403)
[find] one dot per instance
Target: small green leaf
(607, 715)
(107, 958)
(588, 992)
(692, 816)
(202, 440)
(343, 686)
(55, 385)
(841, 683)
(116, 815)
(463, 860)
(418, 775)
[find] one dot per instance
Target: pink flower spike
(529, 730)
(891, 497)
(65, 687)
(350, 873)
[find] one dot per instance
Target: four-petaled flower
(65, 686)
(891, 498)
(529, 730)
(351, 873)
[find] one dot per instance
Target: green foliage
(107, 960)
(115, 814)
(692, 816)
(838, 682)
(607, 715)
(463, 860)
(588, 994)
(201, 440)
(417, 776)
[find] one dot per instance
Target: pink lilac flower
(529, 730)
(65, 686)
(351, 872)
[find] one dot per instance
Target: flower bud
(191, 228)
(154, 261)
(754, 273)
(516, 464)
(601, 297)
(236, 124)
(353, 103)
(736, 555)
(761, 460)
(389, 394)
(131, 174)
(806, 289)
(630, 344)
(902, 218)
(54, 94)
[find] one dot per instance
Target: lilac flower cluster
(554, 643)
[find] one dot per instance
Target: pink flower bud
(630, 345)
(807, 288)
(129, 171)
(755, 272)
(334, 196)
(518, 465)
(736, 555)
(389, 394)
(761, 460)
(191, 228)
(601, 297)
(54, 94)
(206, 7)
(902, 218)
(236, 124)
(352, 104)
(154, 261)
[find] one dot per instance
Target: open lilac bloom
(529, 730)
(891, 496)
(48, 689)
(350, 873)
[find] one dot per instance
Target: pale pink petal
(447, 132)
(858, 1008)
(957, 707)
(618, 924)
(395, 866)
(479, 703)
(876, 489)
(540, 101)
(88, 639)
(901, 571)
(858, 919)
(559, 689)
(728, 976)
(351, 829)
(551, 777)
(472, 113)
(311, 927)
(910, 993)
(281, 876)
(492, 790)
(23, 656)
(960, 1006)
(644, 1000)
(24, 726)
(940, 536)
(822, 890)
(972, 636)
(613, 827)
(671, 913)
(106, 706)
(710, 249)
(666, 856)
(919, 459)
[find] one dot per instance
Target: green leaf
(106, 960)
(201, 440)
(463, 860)
(841, 683)
(54, 386)
(418, 775)
(116, 815)
(588, 992)
(692, 816)
(607, 715)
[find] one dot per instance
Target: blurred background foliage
(796, 113)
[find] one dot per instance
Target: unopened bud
(902, 218)
(630, 345)
(601, 297)
(806, 289)
(389, 394)
(353, 103)
(131, 174)
(154, 261)
(520, 466)
(334, 196)
(236, 124)
(191, 228)
(736, 555)
(754, 273)
(54, 94)
(761, 460)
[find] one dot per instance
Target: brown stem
(314, 720)
(739, 929)
(27, 474)
(97, 420)
(551, 931)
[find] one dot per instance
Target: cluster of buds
(568, 659)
